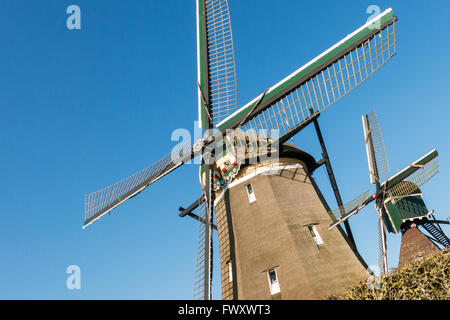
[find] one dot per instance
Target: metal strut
(438, 234)
(333, 182)
(188, 212)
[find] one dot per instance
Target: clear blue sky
(83, 109)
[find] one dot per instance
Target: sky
(83, 109)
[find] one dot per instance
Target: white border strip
(387, 11)
(258, 171)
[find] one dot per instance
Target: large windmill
(259, 189)
(398, 200)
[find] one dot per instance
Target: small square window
(250, 193)
(273, 281)
(315, 234)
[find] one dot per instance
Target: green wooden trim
(386, 219)
(402, 175)
(333, 54)
(412, 207)
(392, 219)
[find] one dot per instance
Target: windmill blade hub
(198, 145)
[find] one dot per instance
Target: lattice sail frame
(418, 178)
(200, 269)
(379, 148)
(102, 201)
(326, 86)
(351, 205)
(221, 60)
(381, 245)
(217, 63)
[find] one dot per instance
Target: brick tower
(273, 235)
(414, 246)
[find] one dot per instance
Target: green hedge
(427, 279)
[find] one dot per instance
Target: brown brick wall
(273, 232)
(224, 247)
(415, 246)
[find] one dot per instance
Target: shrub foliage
(427, 279)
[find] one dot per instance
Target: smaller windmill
(398, 199)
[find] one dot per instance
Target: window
(250, 193)
(315, 234)
(273, 281)
(230, 272)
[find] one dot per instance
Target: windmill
(251, 261)
(398, 199)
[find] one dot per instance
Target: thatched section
(427, 279)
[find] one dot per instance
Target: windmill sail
(418, 173)
(322, 81)
(102, 201)
(352, 212)
(379, 166)
(369, 150)
(203, 264)
(352, 205)
(395, 187)
(216, 62)
(216, 99)
(382, 247)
